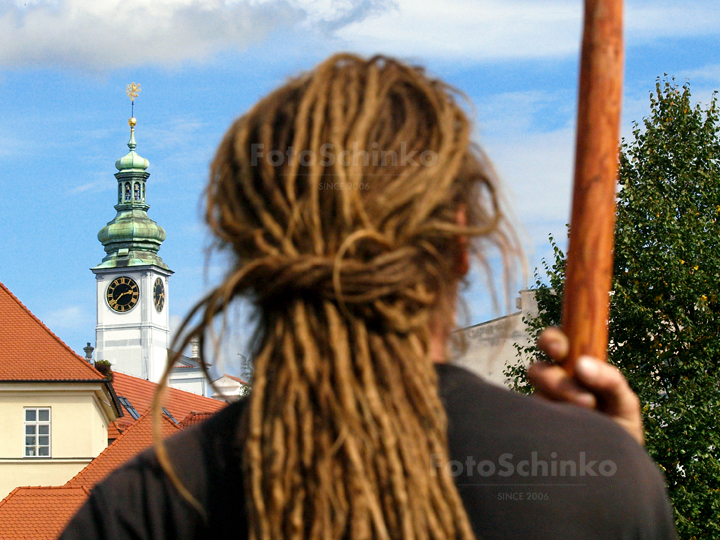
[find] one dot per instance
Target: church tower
(133, 325)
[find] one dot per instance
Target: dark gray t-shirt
(525, 468)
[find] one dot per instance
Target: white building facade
(490, 346)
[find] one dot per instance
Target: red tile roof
(121, 424)
(134, 440)
(39, 513)
(31, 352)
(237, 379)
(194, 418)
(115, 429)
(180, 403)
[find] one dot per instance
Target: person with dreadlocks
(350, 199)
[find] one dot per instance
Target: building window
(125, 402)
(37, 432)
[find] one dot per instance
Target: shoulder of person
(467, 397)
(505, 445)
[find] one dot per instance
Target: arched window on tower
(119, 193)
(143, 193)
(137, 192)
(127, 191)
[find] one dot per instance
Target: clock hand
(129, 291)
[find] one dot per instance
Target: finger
(553, 382)
(616, 397)
(554, 343)
(609, 384)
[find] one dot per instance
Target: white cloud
(709, 73)
(482, 30)
(470, 29)
(659, 19)
(537, 170)
(88, 34)
(11, 146)
(535, 165)
(68, 318)
(96, 35)
(87, 186)
(331, 15)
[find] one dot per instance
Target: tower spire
(131, 282)
(131, 238)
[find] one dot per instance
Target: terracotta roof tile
(31, 352)
(39, 513)
(180, 403)
(194, 418)
(123, 423)
(237, 379)
(134, 440)
(114, 431)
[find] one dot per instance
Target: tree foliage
(665, 305)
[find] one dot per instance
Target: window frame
(37, 423)
(125, 402)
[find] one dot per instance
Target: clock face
(122, 294)
(159, 294)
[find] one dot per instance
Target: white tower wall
(136, 341)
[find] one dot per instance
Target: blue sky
(64, 66)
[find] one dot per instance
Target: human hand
(597, 385)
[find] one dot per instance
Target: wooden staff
(588, 277)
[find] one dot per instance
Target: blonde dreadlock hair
(338, 195)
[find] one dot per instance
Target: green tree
(665, 306)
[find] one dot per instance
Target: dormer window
(125, 402)
(37, 432)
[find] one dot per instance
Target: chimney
(88, 352)
(195, 344)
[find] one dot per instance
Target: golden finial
(133, 90)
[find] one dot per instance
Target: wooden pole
(588, 276)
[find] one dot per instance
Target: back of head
(339, 196)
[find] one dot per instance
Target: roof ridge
(235, 378)
(8, 496)
(47, 487)
(46, 329)
(170, 389)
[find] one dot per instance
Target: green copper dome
(132, 161)
(131, 238)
